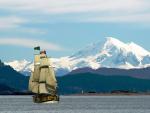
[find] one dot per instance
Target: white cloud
(10, 22)
(33, 31)
(105, 10)
(69, 6)
(30, 43)
(120, 18)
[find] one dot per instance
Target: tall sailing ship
(42, 81)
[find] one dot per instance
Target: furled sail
(42, 80)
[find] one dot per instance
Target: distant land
(88, 82)
(136, 72)
(12, 81)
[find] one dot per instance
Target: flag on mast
(37, 48)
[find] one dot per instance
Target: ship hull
(42, 98)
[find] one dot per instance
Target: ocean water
(77, 104)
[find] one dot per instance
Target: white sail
(47, 75)
(36, 73)
(42, 77)
(42, 88)
(44, 61)
(50, 77)
(33, 86)
(30, 82)
(34, 78)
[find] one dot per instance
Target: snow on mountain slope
(111, 53)
(20, 65)
(114, 53)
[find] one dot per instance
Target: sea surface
(77, 104)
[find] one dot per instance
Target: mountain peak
(110, 41)
(110, 44)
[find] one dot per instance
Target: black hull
(41, 98)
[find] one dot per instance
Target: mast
(34, 78)
(47, 80)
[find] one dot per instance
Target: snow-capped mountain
(110, 53)
(22, 66)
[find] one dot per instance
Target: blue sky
(64, 26)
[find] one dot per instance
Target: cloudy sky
(64, 26)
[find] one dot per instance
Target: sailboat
(42, 81)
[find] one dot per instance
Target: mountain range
(90, 82)
(142, 73)
(108, 53)
(12, 82)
